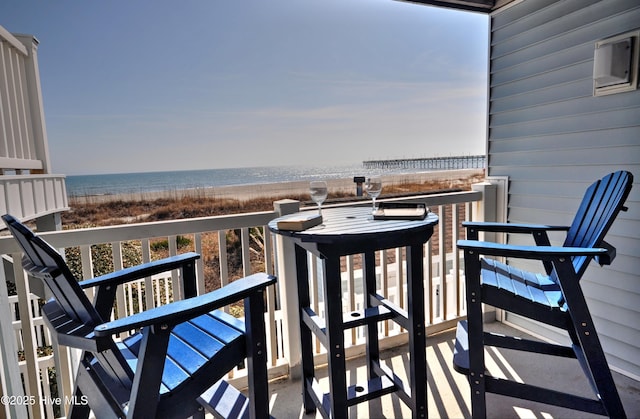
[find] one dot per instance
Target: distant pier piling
(429, 163)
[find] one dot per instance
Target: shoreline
(277, 190)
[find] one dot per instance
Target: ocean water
(123, 183)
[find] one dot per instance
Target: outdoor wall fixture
(615, 64)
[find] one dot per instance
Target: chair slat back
(601, 203)
(44, 262)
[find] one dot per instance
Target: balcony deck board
(449, 390)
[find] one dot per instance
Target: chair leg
(598, 368)
(608, 392)
(79, 410)
(91, 394)
(146, 385)
(586, 338)
(257, 356)
(475, 336)
(200, 414)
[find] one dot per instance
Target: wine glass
(318, 189)
(373, 186)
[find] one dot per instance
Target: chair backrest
(601, 203)
(44, 262)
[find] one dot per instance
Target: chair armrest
(511, 227)
(607, 258)
(140, 271)
(538, 231)
(178, 312)
(548, 253)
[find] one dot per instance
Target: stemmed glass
(318, 189)
(373, 186)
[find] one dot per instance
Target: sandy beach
(285, 189)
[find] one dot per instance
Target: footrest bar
(374, 388)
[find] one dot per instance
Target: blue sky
(146, 85)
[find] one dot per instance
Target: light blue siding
(552, 137)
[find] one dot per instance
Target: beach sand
(285, 189)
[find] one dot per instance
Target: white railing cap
(5, 35)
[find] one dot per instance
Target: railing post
(11, 384)
(485, 210)
(491, 208)
(32, 377)
(36, 108)
(288, 283)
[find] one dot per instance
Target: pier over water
(429, 163)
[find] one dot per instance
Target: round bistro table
(348, 231)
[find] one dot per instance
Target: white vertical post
(288, 283)
(10, 381)
(492, 208)
(455, 268)
(200, 285)
(36, 107)
(177, 282)
(246, 253)
(485, 210)
(442, 261)
(271, 298)
(32, 377)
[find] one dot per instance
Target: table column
(335, 336)
(417, 339)
(306, 337)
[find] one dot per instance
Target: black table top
(355, 223)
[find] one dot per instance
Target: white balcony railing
(27, 189)
(31, 196)
(443, 282)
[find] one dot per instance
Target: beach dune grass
(85, 213)
(114, 209)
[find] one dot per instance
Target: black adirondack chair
(554, 297)
(173, 365)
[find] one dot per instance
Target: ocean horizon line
(202, 179)
(186, 170)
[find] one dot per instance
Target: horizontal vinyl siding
(552, 138)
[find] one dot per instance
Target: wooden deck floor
(449, 391)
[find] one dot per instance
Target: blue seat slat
(504, 282)
(222, 330)
(173, 375)
(535, 287)
(520, 288)
(230, 320)
(190, 345)
(547, 282)
(531, 278)
(198, 338)
(189, 348)
(538, 296)
(133, 343)
(555, 298)
(499, 273)
(185, 355)
(129, 356)
(488, 274)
